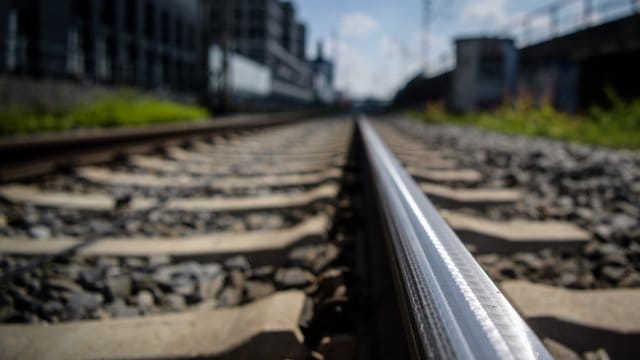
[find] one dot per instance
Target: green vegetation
(126, 108)
(617, 126)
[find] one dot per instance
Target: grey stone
(81, 303)
(258, 289)
(40, 232)
(88, 276)
(599, 354)
(307, 313)
(145, 300)
(505, 269)
(209, 287)
(106, 262)
(615, 259)
(303, 256)
(119, 286)
(487, 259)
(237, 279)
(238, 263)
(212, 270)
(175, 302)
(230, 296)
(569, 280)
(118, 309)
(623, 222)
(315, 258)
(183, 285)
(135, 263)
(263, 272)
(586, 281)
(293, 277)
(158, 260)
(177, 276)
(613, 273)
(33, 286)
(52, 309)
(329, 280)
(530, 260)
(63, 284)
(100, 226)
(604, 232)
(584, 213)
(631, 280)
(598, 250)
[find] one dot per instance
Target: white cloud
(356, 73)
(380, 71)
(358, 25)
(485, 14)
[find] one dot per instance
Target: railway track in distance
(274, 239)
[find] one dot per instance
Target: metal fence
(565, 17)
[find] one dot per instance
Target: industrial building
(143, 43)
(158, 44)
(268, 32)
(486, 73)
(574, 69)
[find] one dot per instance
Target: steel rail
(453, 309)
(29, 156)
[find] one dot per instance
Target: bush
(123, 109)
(618, 126)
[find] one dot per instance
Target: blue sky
(379, 42)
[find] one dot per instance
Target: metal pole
(336, 56)
(204, 44)
(526, 31)
(586, 16)
(426, 18)
(553, 21)
(225, 43)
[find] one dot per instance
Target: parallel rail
(452, 308)
(38, 155)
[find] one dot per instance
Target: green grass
(123, 109)
(616, 127)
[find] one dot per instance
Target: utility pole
(203, 77)
(226, 22)
(336, 55)
(424, 39)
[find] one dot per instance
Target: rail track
(276, 239)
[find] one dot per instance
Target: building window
(75, 56)
(178, 33)
(131, 15)
(111, 54)
(22, 34)
(13, 42)
(165, 70)
(81, 9)
(151, 68)
(149, 20)
(132, 56)
(103, 62)
(491, 67)
(108, 13)
(165, 26)
(191, 38)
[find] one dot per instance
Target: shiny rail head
(455, 310)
